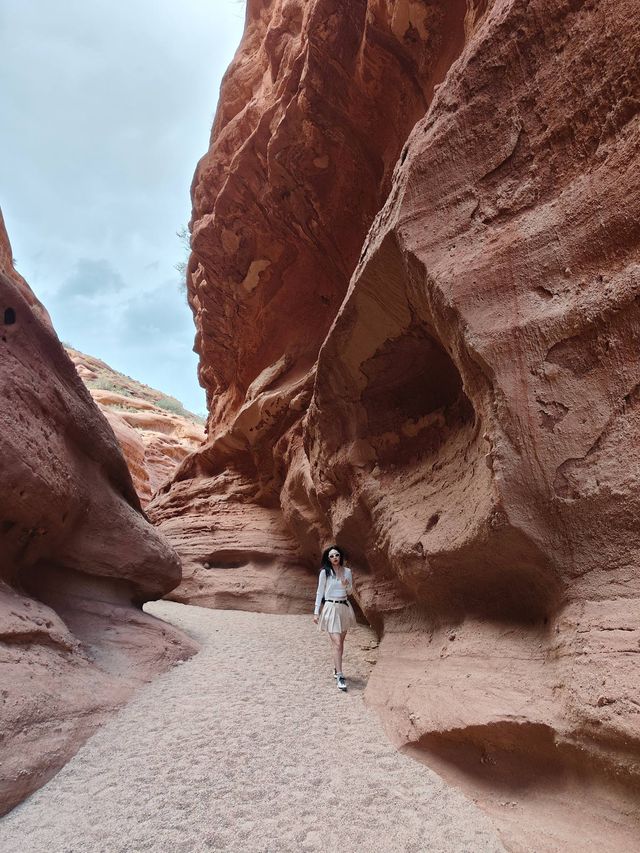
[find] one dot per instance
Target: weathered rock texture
(312, 117)
(470, 427)
(77, 556)
(154, 431)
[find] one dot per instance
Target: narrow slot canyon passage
(228, 751)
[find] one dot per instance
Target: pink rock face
(153, 438)
(134, 453)
(77, 557)
(300, 161)
(299, 164)
(469, 429)
(235, 553)
(154, 443)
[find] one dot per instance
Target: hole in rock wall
(467, 559)
(435, 518)
(234, 559)
(414, 396)
(428, 519)
(9, 316)
(580, 354)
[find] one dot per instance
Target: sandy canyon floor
(246, 747)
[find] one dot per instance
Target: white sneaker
(342, 684)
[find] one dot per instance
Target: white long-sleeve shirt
(330, 587)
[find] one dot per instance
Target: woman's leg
(342, 636)
(337, 645)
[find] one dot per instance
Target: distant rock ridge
(155, 431)
(415, 283)
(77, 556)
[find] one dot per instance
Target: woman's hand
(315, 618)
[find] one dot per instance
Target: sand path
(247, 747)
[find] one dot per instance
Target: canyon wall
(313, 114)
(155, 432)
(78, 557)
(415, 278)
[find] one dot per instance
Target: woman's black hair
(326, 562)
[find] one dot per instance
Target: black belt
(337, 601)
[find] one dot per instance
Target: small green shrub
(102, 383)
(172, 405)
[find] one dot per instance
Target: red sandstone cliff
(155, 432)
(450, 389)
(77, 557)
(313, 114)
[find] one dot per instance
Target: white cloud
(91, 276)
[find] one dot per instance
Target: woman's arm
(348, 576)
(322, 582)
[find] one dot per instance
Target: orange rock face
(77, 556)
(155, 432)
(300, 162)
(461, 414)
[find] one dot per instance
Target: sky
(105, 109)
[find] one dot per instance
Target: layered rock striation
(77, 556)
(154, 431)
(312, 117)
(416, 237)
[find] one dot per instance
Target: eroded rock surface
(312, 117)
(154, 431)
(77, 556)
(469, 428)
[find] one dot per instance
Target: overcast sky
(105, 109)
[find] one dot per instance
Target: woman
(334, 584)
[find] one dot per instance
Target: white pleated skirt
(336, 618)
